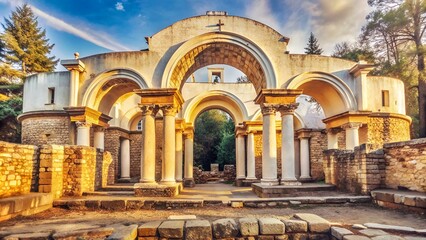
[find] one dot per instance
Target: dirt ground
(340, 214)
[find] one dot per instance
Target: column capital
(148, 109)
(99, 129)
(268, 109)
(304, 133)
(251, 132)
(81, 124)
(333, 130)
(188, 135)
(352, 125)
(169, 110)
(287, 109)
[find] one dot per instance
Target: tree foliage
(24, 48)
(10, 129)
(313, 46)
(214, 139)
(353, 52)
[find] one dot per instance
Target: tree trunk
(422, 92)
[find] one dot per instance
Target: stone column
(287, 144)
(99, 138)
(241, 157)
(251, 164)
(169, 144)
(125, 159)
(269, 146)
(148, 144)
(352, 136)
(179, 152)
(75, 66)
(332, 139)
(83, 133)
(189, 159)
(305, 171)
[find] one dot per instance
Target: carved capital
(169, 110)
(83, 124)
(188, 135)
(286, 109)
(268, 109)
(333, 130)
(149, 110)
(352, 125)
(99, 129)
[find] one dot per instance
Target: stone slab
(28, 236)
(124, 233)
(339, 232)
(388, 237)
(149, 229)
(373, 232)
(98, 233)
(249, 226)
(268, 226)
(295, 226)
(390, 227)
(114, 205)
(316, 224)
(225, 228)
(355, 237)
(182, 217)
(171, 229)
(266, 191)
(198, 230)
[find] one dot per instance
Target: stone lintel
(188, 130)
(240, 130)
(277, 96)
(361, 67)
(180, 124)
(160, 97)
(347, 117)
(73, 64)
(304, 133)
(88, 115)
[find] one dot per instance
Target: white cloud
(119, 6)
(261, 11)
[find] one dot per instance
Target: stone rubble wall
(46, 130)
(384, 128)
(228, 174)
(17, 164)
(317, 143)
(51, 170)
(103, 160)
(406, 165)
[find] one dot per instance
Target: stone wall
(135, 154)
(386, 128)
(158, 148)
(46, 130)
(103, 160)
(317, 144)
(358, 171)
(17, 164)
(112, 145)
(51, 170)
(406, 165)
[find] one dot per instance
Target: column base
(269, 182)
(290, 182)
(124, 180)
(305, 179)
(148, 182)
(156, 190)
(189, 182)
(167, 182)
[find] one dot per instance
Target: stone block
(295, 226)
(265, 238)
(271, 226)
(28, 236)
(237, 204)
(225, 228)
(98, 233)
(198, 230)
(93, 204)
(388, 237)
(339, 232)
(298, 236)
(171, 229)
(249, 226)
(355, 237)
(316, 224)
(421, 202)
(135, 204)
(282, 237)
(410, 201)
(149, 229)
(372, 232)
(124, 233)
(115, 205)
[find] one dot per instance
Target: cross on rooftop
(220, 24)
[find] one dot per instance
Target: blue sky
(96, 26)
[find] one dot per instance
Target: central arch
(219, 48)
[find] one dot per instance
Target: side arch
(216, 99)
(332, 93)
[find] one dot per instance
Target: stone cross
(220, 24)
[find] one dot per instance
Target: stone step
(265, 191)
(110, 193)
(119, 188)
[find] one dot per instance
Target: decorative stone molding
(333, 130)
(149, 109)
(83, 124)
(188, 135)
(99, 129)
(286, 109)
(268, 109)
(354, 125)
(169, 110)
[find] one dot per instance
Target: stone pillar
(287, 144)
(125, 159)
(332, 139)
(148, 144)
(99, 138)
(251, 164)
(269, 146)
(352, 137)
(75, 66)
(83, 133)
(179, 153)
(241, 156)
(305, 170)
(189, 159)
(169, 144)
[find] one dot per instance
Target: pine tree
(313, 46)
(25, 46)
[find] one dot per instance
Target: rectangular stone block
(249, 226)
(198, 230)
(339, 232)
(295, 226)
(268, 226)
(124, 233)
(116, 205)
(171, 229)
(149, 229)
(316, 224)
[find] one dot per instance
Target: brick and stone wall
(103, 160)
(135, 154)
(385, 128)
(317, 144)
(358, 171)
(47, 130)
(51, 170)
(112, 144)
(17, 164)
(406, 165)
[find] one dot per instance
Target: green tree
(313, 46)
(24, 46)
(10, 129)
(226, 147)
(353, 52)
